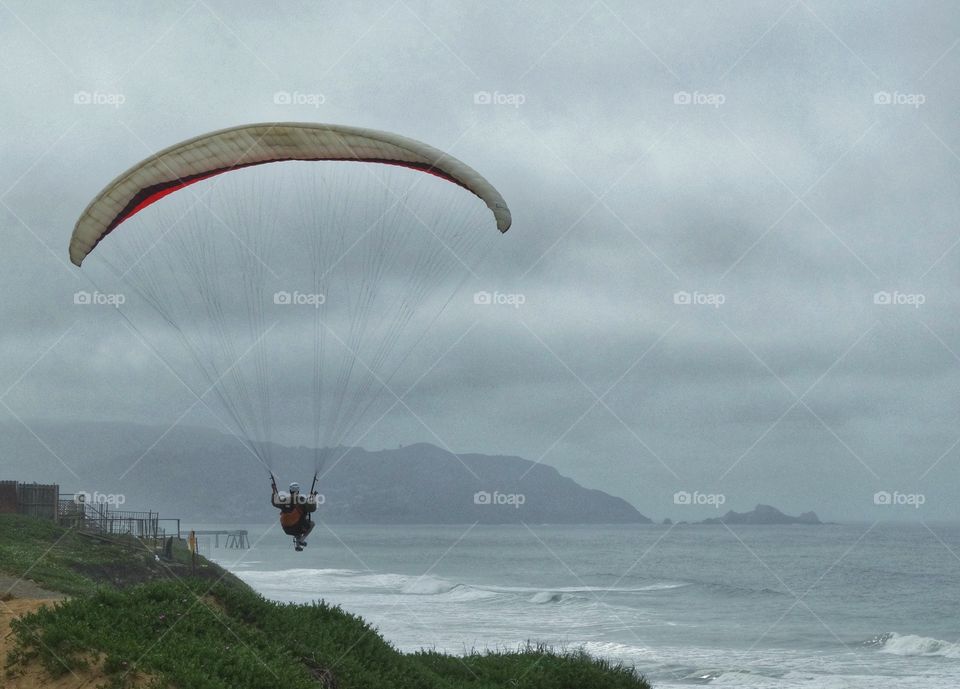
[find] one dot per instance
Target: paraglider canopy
(256, 144)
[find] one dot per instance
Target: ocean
(762, 606)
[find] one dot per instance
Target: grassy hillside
(74, 562)
(140, 622)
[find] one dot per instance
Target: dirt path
(24, 588)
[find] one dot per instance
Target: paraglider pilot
(295, 510)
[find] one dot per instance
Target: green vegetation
(213, 633)
(74, 562)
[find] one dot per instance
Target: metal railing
(100, 518)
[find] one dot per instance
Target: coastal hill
(763, 514)
(204, 475)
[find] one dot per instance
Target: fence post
(192, 541)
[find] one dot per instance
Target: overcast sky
(791, 169)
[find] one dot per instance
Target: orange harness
(293, 517)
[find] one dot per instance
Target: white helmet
(294, 487)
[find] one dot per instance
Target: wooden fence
(38, 500)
